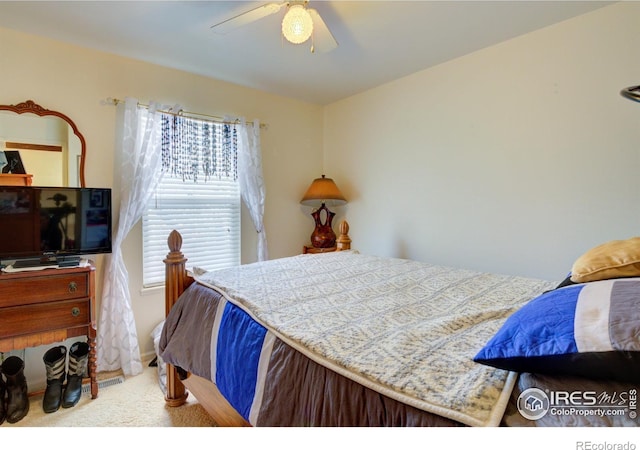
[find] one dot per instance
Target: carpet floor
(122, 402)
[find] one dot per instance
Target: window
(198, 195)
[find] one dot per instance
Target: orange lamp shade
(323, 190)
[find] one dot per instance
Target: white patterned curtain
(251, 180)
(139, 171)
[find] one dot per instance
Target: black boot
(17, 393)
(78, 360)
(3, 389)
(54, 361)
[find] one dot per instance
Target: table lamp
(322, 192)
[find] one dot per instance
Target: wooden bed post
(344, 241)
(175, 284)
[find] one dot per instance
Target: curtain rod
(216, 119)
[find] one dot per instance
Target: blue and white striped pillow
(590, 330)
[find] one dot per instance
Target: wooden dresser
(15, 179)
(47, 306)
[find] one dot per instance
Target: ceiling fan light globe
(297, 24)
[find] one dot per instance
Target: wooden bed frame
(205, 391)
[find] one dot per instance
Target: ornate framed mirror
(50, 147)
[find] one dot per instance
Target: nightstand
(309, 249)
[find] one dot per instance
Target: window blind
(207, 215)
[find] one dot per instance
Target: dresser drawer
(29, 319)
(24, 291)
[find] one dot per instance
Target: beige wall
(76, 81)
(513, 159)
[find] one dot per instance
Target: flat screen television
(53, 225)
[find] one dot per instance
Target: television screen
(40, 222)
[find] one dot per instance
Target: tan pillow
(614, 259)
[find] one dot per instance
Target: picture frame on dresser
(13, 163)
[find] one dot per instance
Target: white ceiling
(379, 41)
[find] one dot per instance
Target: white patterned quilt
(406, 329)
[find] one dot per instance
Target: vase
(323, 235)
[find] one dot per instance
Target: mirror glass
(40, 147)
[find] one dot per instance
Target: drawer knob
(73, 286)
(75, 311)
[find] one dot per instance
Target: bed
(348, 339)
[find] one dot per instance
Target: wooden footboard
(214, 403)
(176, 281)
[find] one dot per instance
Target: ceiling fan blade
(247, 17)
(323, 40)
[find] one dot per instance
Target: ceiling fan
(299, 24)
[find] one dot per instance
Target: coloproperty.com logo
(534, 403)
